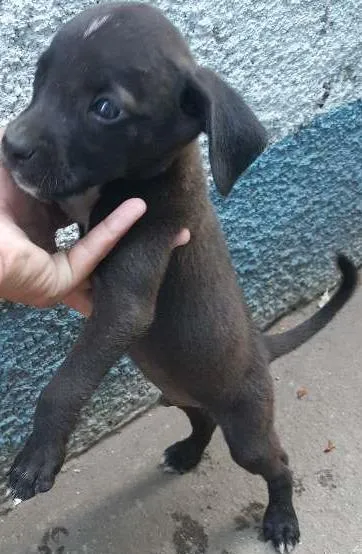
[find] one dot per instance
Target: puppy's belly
(161, 377)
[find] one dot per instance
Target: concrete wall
(298, 63)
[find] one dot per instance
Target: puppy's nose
(17, 146)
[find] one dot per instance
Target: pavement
(114, 499)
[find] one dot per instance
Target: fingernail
(136, 205)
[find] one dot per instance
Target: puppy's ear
(236, 137)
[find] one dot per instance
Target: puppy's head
(118, 95)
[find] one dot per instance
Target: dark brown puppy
(118, 103)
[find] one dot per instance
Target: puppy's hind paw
(181, 457)
(285, 547)
(281, 528)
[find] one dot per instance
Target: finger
(182, 238)
(85, 285)
(81, 301)
(91, 249)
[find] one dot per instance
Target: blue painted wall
(299, 204)
(285, 219)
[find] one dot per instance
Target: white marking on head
(95, 25)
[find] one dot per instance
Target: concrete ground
(115, 500)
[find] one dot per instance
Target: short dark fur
(180, 314)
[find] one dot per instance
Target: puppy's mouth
(26, 187)
(44, 183)
(48, 189)
(18, 179)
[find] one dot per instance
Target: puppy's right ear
(236, 137)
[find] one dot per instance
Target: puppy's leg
(125, 291)
(59, 404)
(254, 445)
(186, 454)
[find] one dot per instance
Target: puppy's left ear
(236, 137)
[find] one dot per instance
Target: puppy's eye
(105, 109)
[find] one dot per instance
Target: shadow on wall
(297, 205)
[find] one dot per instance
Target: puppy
(118, 104)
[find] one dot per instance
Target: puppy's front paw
(281, 527)
(35, 468)
(181, 456)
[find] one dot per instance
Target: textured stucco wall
(283, 55)
(298, 63)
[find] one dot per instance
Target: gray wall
(298, 64)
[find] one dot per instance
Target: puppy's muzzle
(18, 145)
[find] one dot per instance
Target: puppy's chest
(78, 207)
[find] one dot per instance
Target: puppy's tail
(283, 343)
